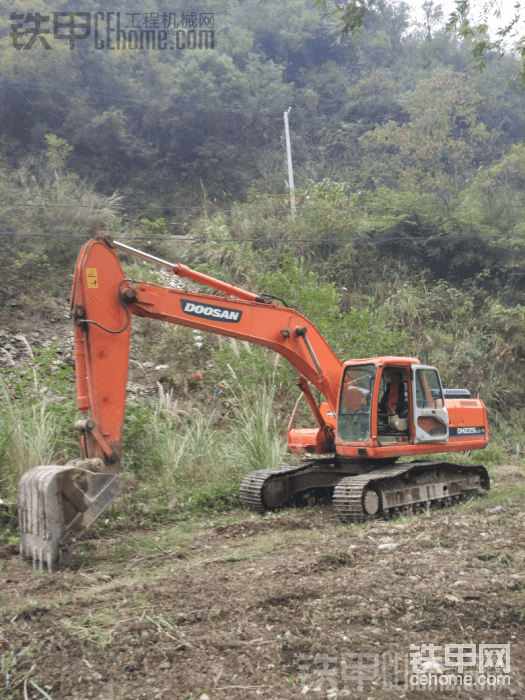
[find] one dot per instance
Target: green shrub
(37, 412)
(258, 443)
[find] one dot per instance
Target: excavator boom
(56, 504)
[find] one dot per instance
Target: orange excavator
(376, 410)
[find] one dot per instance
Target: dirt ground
(282, 606)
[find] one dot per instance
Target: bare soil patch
(271, 607)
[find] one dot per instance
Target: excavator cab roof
(384, 360)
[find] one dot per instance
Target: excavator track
(406, 489)
(381, 492)
(265, 489)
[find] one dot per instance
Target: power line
(361, 208)
(98, 208)
(321, 241)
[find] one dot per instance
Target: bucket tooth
(55, 505)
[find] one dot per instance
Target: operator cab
(391, 401)
(393, 424)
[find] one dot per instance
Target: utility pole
(290, 169)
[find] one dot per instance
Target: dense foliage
(424, 153)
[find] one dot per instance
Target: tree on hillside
(350, 19)
(484, 39)
(438, 147)
(217, 116)
(433, 18)
(494, 201)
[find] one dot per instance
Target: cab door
(428, 406)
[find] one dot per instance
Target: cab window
(353, 424)
(428, 389)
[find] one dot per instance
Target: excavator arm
(56, 504)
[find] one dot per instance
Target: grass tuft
(28, 436)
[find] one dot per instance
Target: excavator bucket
(56, 504)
